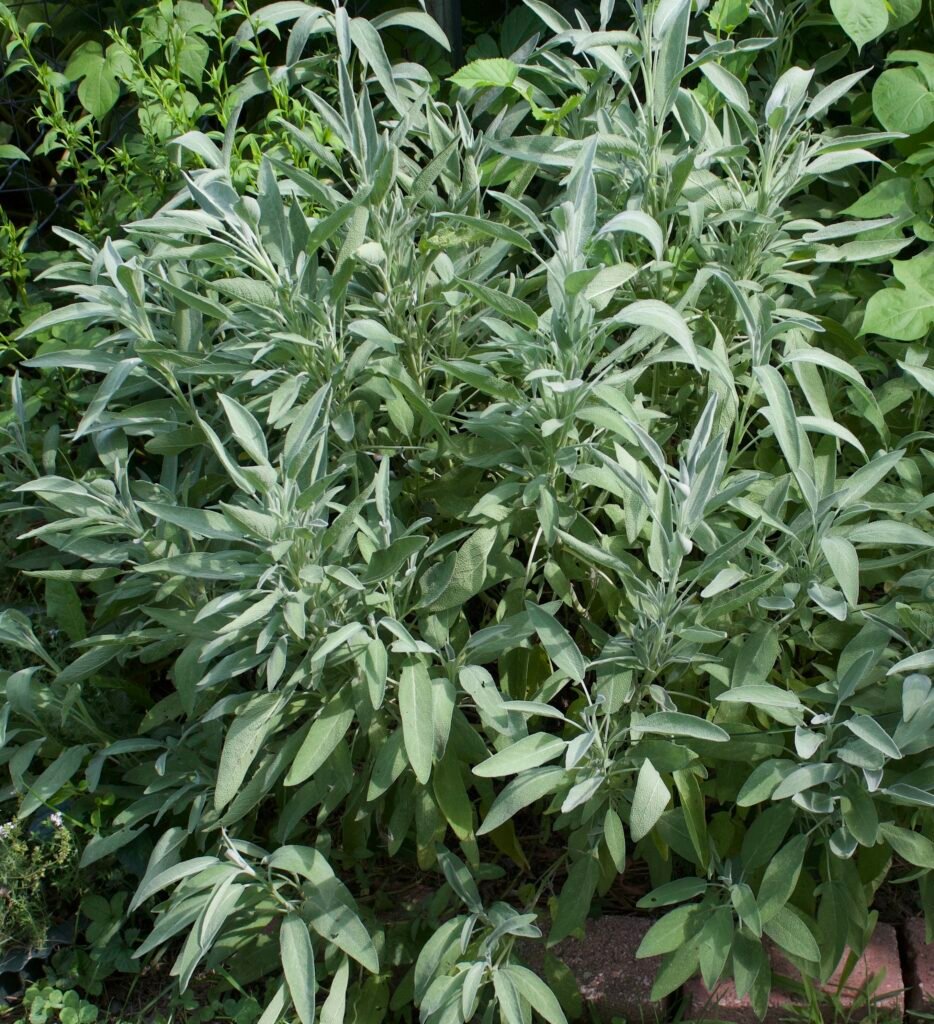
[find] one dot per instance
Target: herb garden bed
(514, 482)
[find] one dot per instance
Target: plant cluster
(508, 485)
(37, 879)
(47, 1004)
(109, 118)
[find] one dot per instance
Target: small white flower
(57, 820)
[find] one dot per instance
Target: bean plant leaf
(862, 20)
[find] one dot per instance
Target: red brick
(726, 1005)
(919, 968)
(880, 957)
(610, 978)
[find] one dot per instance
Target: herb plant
(513, 491)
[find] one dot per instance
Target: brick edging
(615, 984)
(918, 960)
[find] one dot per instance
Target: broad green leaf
(923, 375)
(536, 993)
(558, 643)
(415, 707)
(818, 357)
(886, 531)
(469, 573)
(914, 847)
(415, 19)
(98, 90)
(368, 42)
(638, 223)
(822, 425)
(724, 579)
(388, 561)
(492, 72)
(507, 998)
(451, 794)
(64, 608)
(783, 419)
(660, 317)
(844, 564)
(694, 809)
(679, 891)
(60, 772)
(614, 837)
(763, 781)
(506, 305)
(676, 723)
(806, 777)
(334, 1006)
(200, 522)
(790, 933)
(555, 21)
(575, 898)
(600, 288)
(649, 802)
(915, 690)
(334, 640)
(336, 923)
(676, 970)
(762, 695)
(460, 879)
(903, 100)
(668, 933)
(245, 429)
(529, 752)
(245, 737)
(440, 949)
(298, 965)
(480, 686)
(920, 662)
(781, 877)
(715, 941)
(829, 600)
(859, 815)
(534, 707)
(746, 907)
(169, 876)
(862, 20)
(327, 730)
(531, 785)
(376, 669)
(750, 962)
(727, 15)
(492, 229)
(869, 731)
(905, 313)
(109, 387)
(727, 84)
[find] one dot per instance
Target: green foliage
(117, 119)
(498, 486)
(54, 1002)
(37, 868)
(48, 1004)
